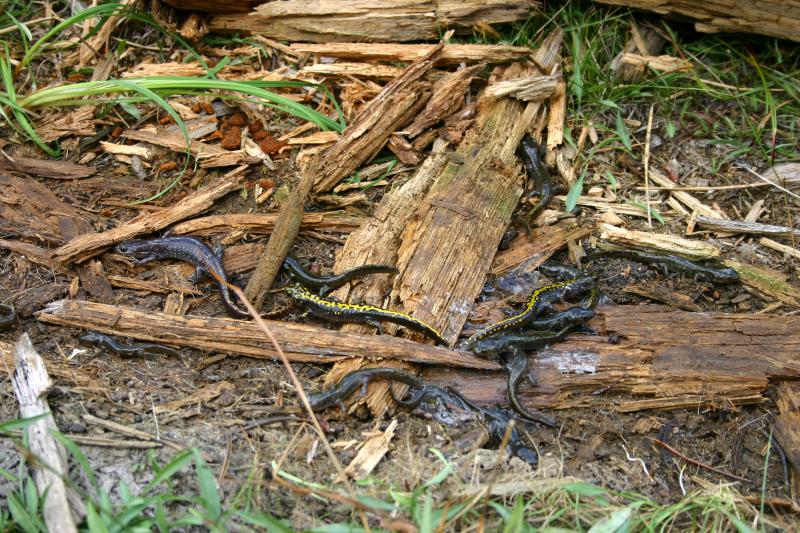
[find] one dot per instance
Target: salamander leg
(376, 325)
(198, 275)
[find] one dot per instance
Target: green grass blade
(574, 193)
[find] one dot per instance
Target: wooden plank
(302, 343)
(662, 358)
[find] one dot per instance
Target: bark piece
(453, 54)
(302, 343)
(355, 70)
(79, 122)
(529, 89)
(371, 453)
(766, 17)
(647, 41)
(787, 427)
(664, 359)
(741, 226)
(49, 458)
(370, 20)
(536, 249)
(46, 168)
(91, 244)
(448, 95)
(660, 241)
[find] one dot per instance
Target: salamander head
(133, 247)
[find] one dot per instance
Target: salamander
(513, 342)
(560, 271)
(8, 316)
(189, 249)
(359, 378)
(342, 312)
(324, 284)
(517, 371)
(539, 299)
(140, 348)
(706, 271)
(528, 151)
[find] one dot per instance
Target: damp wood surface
(301, 342)
(664, 359)
(452, 54)
(368, 20)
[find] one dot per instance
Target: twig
(647, 165)
(695, 462)
(759, 176)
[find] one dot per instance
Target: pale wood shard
(447, 96)
(143, 70)
(49, 464)
(788, 250)
(778, 18)
(320, 137)
(62, 170)
(659, 241)
(662, 63)
(453, 54)
(127, 149)
(174, 141)
(349, 69)
(741, 226)
(692, 203)
(556, 117)
(647, 41)
(302, 343)
(401, 148)
(680, 359)
(372, 451)
(370, 20)
(263, 224)
(91, 244)
(529, 89)
(534, 250)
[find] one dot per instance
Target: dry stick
(695, 462)
(647, 165)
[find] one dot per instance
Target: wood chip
(127, 149)
(453, 54)
(530, 89)
(78, 122)
(46, 168)
(668, 243)
(371, 453)
(741, 226)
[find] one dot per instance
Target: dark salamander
(705, 271)
(183, 248)
(538, 301)
(358, 379)
(8, 316)
(324, 284)
(139, 348)
(342, 312)
(529, 151)
(517, 371)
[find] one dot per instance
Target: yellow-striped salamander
(705, 271)
(369, 314)
(538, 301)
(139, 348)
(8, 316)
(189, 249)
(324, 284)
(359, 378)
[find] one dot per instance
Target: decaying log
(370, 20)
(779, 18)
(665, 358)
(394, 107)
(49, 458)
(453, 54)
(91, 244)
(787, 427)
(443, 261)
(302, 343)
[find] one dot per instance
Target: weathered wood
(447, 96)
(370, 20)
(49, 458)
(91, 244)
(534, 250)
(741, 226)
(302, 343)
(355, 70)
(778, 18)
(453, 54)
(647, 41)
(787, 427)
(394, 106)
(664, 358)
(62, 170)
(263, 224)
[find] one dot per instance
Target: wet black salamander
(538, 301)
(352, 381)
(517, 371)
(8, 316)
(189, 249)
(324, 284)
(140, 348)
(707, 271)
(528, 151)
(342, 312)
